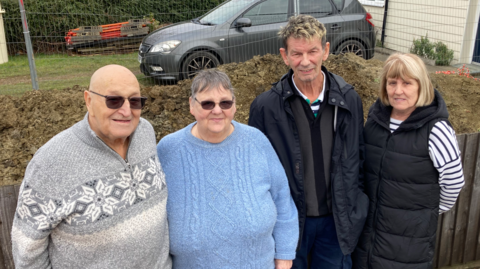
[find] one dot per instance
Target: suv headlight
(165, 47)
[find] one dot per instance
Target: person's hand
(283, 264)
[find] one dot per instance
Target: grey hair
(210, 79)
(303, 26)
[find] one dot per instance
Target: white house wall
(377, 14)
(440, 20)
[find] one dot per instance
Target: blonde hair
(303, 26)
(407, 66)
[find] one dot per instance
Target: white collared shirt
(316, 107)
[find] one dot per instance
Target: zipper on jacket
(126, 163)
(298, 173)
(374, 226)
(335, 119)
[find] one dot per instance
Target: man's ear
(283, 52)
(326, 51)
(88, 100)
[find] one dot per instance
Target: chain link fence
(67, 48)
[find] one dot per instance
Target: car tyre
(198, 61)
(352, 46)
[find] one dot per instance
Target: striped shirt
(445, 155)
(315, 105)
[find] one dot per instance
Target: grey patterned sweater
(82, 206)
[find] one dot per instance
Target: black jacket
(271, 113)
(403, 188)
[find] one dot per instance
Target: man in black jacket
(314, 120)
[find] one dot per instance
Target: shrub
(435, 51)
(423, 48)
(443, 55)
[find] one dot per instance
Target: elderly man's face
(113, 125)
(305, 57)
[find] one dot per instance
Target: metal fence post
(28, 44)
(3, 42)
(296, 8)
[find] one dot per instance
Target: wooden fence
(8, 204)
(458, 238)
(458, 235)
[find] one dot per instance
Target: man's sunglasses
(116, 102)
(209, 105)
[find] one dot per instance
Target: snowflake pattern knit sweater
(82, 206)
(229, 204)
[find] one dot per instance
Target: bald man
(94, 196)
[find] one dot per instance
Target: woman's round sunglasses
(209, 105)
(116, 102)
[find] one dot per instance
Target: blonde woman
(413, 170)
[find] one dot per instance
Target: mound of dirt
(29, 121)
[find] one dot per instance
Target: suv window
(338, 4)
(225, 11)
(270, 11)
(316, 8)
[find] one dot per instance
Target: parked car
(237, 30)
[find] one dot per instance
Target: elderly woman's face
(402, 94)
(216, 122)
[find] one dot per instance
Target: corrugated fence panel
(2, 260)
(468, 159)
(474, 213)
(446, 238)
(8, 203)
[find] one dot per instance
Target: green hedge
(48, 20)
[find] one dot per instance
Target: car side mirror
(243, 22)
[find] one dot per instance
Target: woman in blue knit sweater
(229, 204)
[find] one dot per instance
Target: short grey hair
(303, 26)
(210, 79)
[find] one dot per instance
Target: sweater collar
(197, 141)
(83, 131)
(288, 88)
(419, 117)
(336, 85)
(320, 98)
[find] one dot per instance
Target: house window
(375, 3)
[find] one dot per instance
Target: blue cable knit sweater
(229, 204)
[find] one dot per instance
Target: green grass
(59, 71)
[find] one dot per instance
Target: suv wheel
(352, 46)
(198, 61)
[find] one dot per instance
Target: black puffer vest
(403, 188)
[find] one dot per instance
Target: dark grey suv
(237, 30)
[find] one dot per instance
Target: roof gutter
(384, 22)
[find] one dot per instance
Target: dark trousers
(320, 240)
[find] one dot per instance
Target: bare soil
(29, 121)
